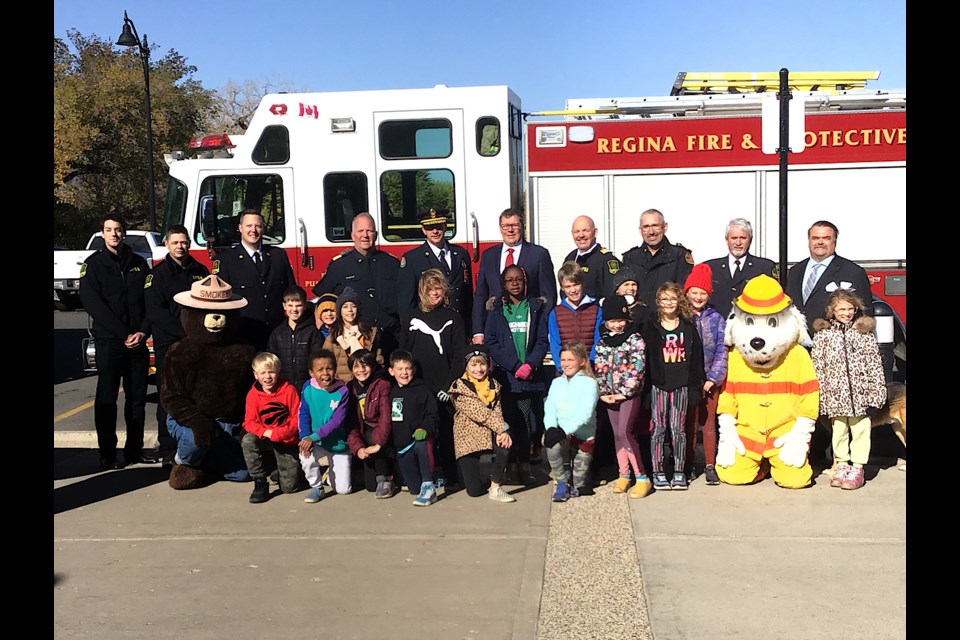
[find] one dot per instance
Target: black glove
(204, 431)
(553, 436)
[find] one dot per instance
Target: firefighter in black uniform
(258, 272)
(171, 276)
(657, 260)
(598, 264)
(437, 253)
(373, 275)
(111, 291)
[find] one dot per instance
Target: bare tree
(234, 104)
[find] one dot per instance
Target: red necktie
(509, 261)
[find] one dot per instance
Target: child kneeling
(413, 414)
(478, 427)
(570, 421)
(324, 402)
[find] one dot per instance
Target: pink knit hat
(701, 277)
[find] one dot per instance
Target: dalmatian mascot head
(771, 397)
(764, 324)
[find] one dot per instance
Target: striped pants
(668, 410)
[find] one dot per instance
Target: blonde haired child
(570, 421)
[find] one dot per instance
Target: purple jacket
(710, 326)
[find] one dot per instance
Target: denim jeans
(223, 456)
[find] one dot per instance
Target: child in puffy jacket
(619, 365)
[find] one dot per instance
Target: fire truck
(311, 161)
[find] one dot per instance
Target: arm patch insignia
(216, 267)
(148, 281)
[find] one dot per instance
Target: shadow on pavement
(103, 486)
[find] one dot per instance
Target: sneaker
(384, 489)
(576, 492)
(500, 495)
(710, 473)
(562, 493)
(660, 481)
(679, 482)
(261, 491)
(428, 495)
(840, 474)
(641, 489)
(621, 485)
(853, 479)
(315, 494)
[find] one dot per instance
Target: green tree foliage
(99, 130)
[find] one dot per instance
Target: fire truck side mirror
(208, 219)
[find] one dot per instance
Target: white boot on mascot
(770, 401)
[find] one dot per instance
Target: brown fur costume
(206, 376)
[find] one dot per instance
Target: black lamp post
(129, 38)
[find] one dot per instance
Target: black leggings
(379, 464)
(470, 473)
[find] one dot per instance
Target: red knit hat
(701, 277)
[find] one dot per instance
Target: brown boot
(186, 477)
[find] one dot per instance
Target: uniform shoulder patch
(613, 266)
(403, 261)
(216, 267)
(83, 269)
(148, 281)
(337, 257)
(688, 256)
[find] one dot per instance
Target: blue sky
(546, 52)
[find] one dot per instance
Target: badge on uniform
(216, 267)
(148, 281)
(689, 257)
(584, 268)
(403, 261)
(83, 269)
(613, 266)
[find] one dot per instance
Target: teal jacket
(572, 406)
(323, 415)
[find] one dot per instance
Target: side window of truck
(273, 147)
(234, 194)
(406, 194)
(488, 136)
(405, 139)
(344, 196)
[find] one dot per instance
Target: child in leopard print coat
(847, 361)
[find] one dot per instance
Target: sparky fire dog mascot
(770, 402)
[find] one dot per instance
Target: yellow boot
(621, 485)
(641, 488)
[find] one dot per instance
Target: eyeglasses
(510, 227)
(651, 227)
(513, 280)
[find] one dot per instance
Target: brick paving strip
(592, 587)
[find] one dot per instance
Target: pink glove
(524, 372)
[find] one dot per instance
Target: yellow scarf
(486, 391)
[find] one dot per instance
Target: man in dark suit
(598, 264)
(437, 253)
(532, 258)
(731, 272)
(258, 272)
(811, 281)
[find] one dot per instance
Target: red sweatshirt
(279, 411)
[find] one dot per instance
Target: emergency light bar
(211, 143)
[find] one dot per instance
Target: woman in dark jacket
(517, 336)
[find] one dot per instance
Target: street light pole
(128, 38)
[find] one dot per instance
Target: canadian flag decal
(309, 110)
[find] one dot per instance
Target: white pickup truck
(66, 264)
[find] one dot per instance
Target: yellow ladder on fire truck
(707, 82)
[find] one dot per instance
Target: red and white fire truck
(311, 161)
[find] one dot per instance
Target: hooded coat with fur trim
(847, 361)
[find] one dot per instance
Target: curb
(88, 440)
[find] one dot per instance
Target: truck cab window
(488, 136)
(273, 147)
(232, 194)
(344, 196)
(405, 194)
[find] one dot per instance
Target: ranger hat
(434, 216)
(763, 296)
(210, 293)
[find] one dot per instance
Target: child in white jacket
(570, 421)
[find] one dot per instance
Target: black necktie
(258, 262)
(737, 270)
(443, 261)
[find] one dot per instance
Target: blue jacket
(572, 405)
(323, 415)
(499, 340)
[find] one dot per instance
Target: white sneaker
(500, 495)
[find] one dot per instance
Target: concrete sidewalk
(133, 558)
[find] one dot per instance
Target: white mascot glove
(795, 443)
(729, 443)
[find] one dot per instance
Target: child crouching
(570, 421)
(324, 402)
(413, 414)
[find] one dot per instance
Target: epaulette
(339, 255)
(604, 250)
(688, 255)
